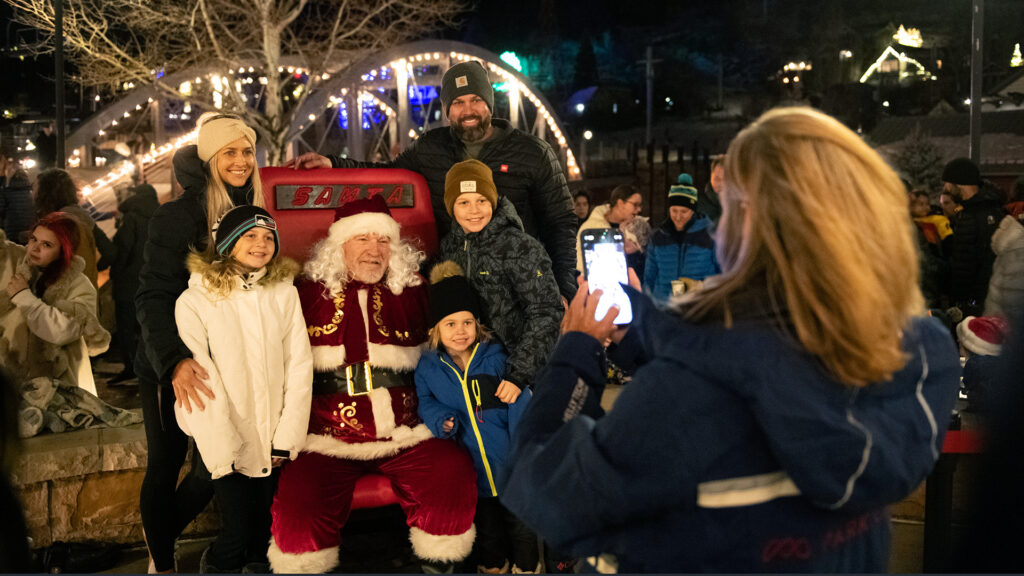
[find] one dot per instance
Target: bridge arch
(372, 81)
(377, 76)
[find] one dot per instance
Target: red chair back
(303, 203)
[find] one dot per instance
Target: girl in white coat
(240, 318)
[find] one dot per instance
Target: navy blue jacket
(732, 450)
(483, 424)
(673, 254)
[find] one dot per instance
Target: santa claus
(366, 313)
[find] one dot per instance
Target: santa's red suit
(366, 342)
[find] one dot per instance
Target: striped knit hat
(683, 193)
(237, 222)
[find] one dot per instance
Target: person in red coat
(366, 313)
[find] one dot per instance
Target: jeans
(167, 507)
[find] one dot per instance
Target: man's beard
(955, 192)
(474, 133)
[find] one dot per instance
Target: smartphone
(604, 267)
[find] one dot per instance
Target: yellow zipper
(472, 419)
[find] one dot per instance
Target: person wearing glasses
(623, 206)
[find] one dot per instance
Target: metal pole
(404, 121)
(354, 133)
(721, 75)
(977, 33)
(650, 92)
(58, 36)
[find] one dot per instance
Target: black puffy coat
(136, 211)
(175, 228)
(512, 275)
(971, 259)
(17, 213)
(526, 171)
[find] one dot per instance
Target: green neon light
(512, 60)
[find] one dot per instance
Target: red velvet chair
(303, 203)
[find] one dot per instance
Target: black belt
(358, 379)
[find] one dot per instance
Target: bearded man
(366, 314)
(525, 168)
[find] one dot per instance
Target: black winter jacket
(136, 211)
(512, 275)
(972, 257)
(526, 171)
(175, 228)
(17, 213)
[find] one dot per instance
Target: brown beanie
(469, 176)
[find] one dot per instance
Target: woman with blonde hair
(218, 173)
(774, 414)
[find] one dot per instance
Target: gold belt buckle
(355, 386)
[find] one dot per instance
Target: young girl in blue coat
(457, 384)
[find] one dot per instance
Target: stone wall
(84, 485)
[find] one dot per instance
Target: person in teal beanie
(681, 253)
(457, 385)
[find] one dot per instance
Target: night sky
(738, 29)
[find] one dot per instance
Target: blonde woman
(217, 173)
(776, 413)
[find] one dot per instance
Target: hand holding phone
(604, 267)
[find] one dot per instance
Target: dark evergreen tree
(586, 65)
(919, 160)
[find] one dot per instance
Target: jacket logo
(504, 168)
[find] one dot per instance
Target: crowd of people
(792, 366)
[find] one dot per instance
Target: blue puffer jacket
(673, 254)
(483, 424)
(732, 450)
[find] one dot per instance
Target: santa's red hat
(982, 335)
(363, 216)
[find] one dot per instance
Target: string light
(221, 85)
(128, 168)
(902, 57)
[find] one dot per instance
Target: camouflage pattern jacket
(511, 272)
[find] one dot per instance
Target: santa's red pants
(434, 482)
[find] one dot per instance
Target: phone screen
(604, 266)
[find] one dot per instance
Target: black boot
(206, 568)
(436, 567)
(123, 378)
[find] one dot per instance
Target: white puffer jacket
(254, 345)
(1006, 286)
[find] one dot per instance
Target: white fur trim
(383, 413)
(973, 343)
(327, 358)
(315, 562)
(447, 548)
(403, 358)
(365, 223)
(401, 438)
